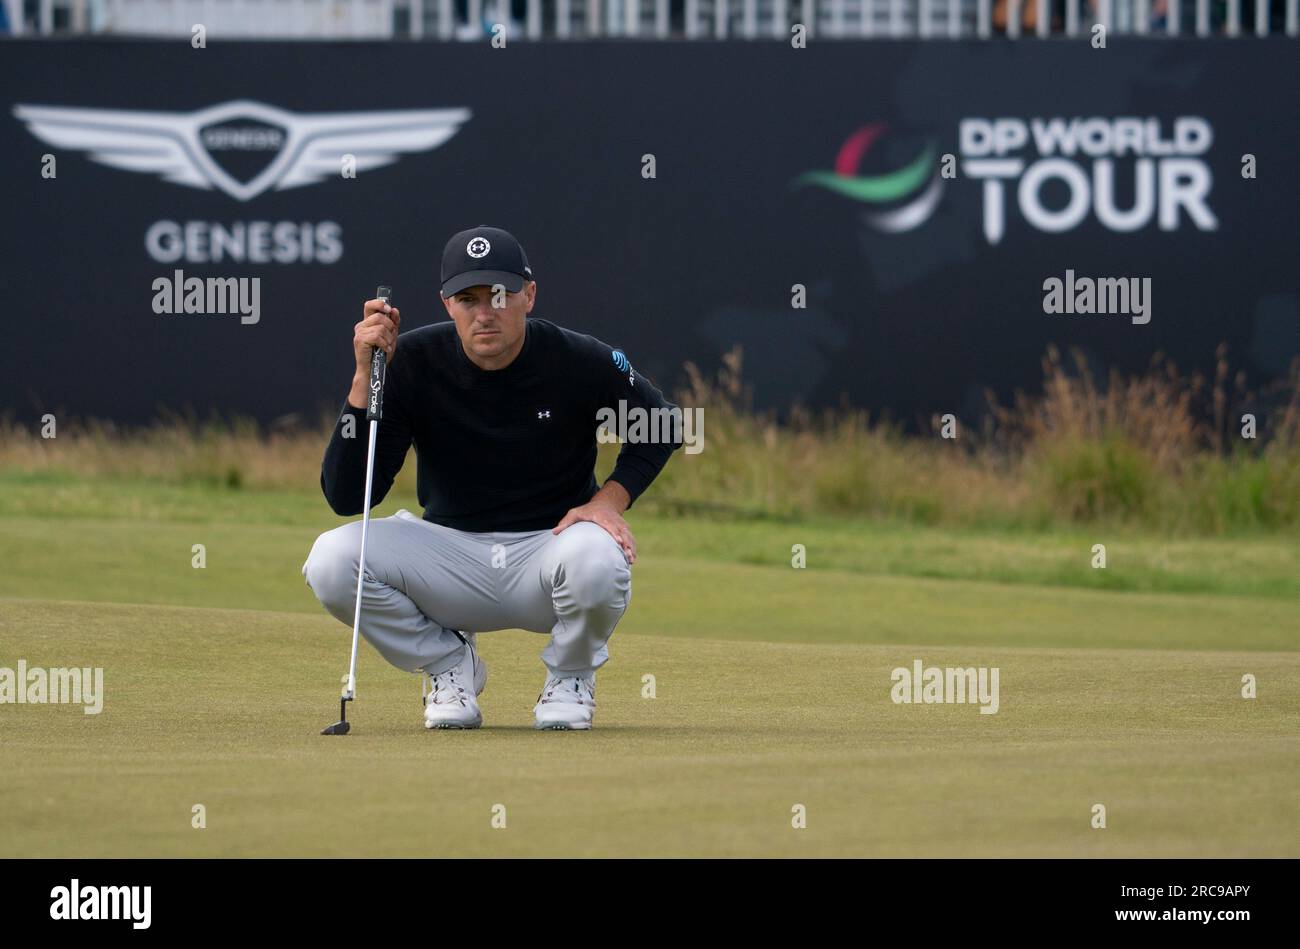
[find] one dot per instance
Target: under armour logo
(546, 414)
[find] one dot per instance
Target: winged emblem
(183, 147)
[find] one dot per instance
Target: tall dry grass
(235, 455)
(1158, 449)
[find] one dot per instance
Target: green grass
(1119, 687)
(47, 519)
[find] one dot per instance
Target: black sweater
(510, 449)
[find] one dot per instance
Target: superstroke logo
(242, 148)
(917, 185)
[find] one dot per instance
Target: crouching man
(515, 533)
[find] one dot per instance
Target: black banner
(926, 898)
(673, 199)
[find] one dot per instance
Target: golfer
(515, 533)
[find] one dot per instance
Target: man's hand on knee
(605, 509)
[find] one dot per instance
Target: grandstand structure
(649, 20)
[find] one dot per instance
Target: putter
(374, 412)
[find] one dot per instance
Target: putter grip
(378, 368)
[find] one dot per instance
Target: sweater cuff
(633, 482)
(358, 417)
(348, 440)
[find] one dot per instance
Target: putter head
(342, 726)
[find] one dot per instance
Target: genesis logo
(242, 148)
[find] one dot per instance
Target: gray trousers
(423, 581)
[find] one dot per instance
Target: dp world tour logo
(1125, 173)
(900, 200)
(242, 148)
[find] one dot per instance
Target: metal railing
(474, 20)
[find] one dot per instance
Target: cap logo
(478, 247)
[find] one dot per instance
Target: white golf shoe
(453, 701)
(566, 702)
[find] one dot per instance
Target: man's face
(491, 325)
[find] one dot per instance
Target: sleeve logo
(621, 363)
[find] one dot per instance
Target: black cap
(484, 256)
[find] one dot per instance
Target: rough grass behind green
(1157, 451)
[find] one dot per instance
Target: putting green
(221, 708)
(772, 690)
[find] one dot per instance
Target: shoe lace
(572, 689)
(445, 688)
